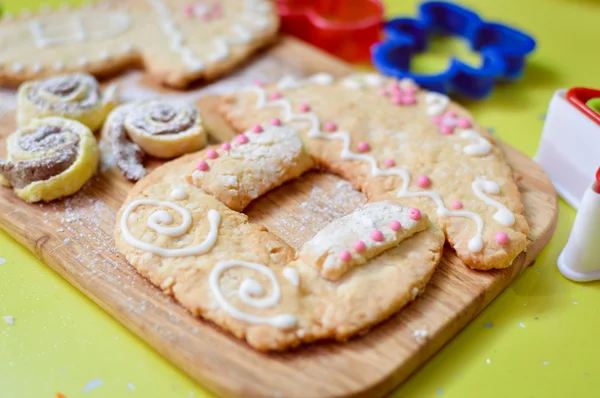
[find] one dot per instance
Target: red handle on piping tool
(596, 186)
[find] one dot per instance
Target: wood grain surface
(74, 237)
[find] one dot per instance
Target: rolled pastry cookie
(162, 129)
(74, 96)
(51, 158)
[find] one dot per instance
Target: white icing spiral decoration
(436, 103)
(159, 220)
(251, 287)
(480, 147)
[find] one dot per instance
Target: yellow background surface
(544, 339)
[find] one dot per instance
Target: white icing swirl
(480, 147)
(160, 218)
(437, 105)
(480, 188)
(248, 288)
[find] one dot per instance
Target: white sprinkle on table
(2, 261)
(521, 325)
(488, 361)
(9, 319)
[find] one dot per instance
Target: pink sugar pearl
(446, 130)
(364, 146)
(409, 100)
(377, 236)
(451, 114)
(389, 163)
(330, 126)
(202, 165)
(502, 238)
(397, 100)
(409, 90)
(457, 205)
(414, 214)
(360, 246)
(258, 83)
(304, 107)
(276, 122)
(395, 225)
(345, 255)
(463, 123)
(188, 10)
(423, 181)
(226, 146)
(212, 154)
(241, 139)
(274, 96)
(257, 128)
(383, 91)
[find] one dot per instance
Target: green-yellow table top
(537, 339)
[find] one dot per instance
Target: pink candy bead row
(400, 95)
(448, 121)
(240, 139)
(377, 236)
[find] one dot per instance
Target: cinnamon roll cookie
(51, 158)
(162, 129)
(76, 96)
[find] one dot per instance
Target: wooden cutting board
(74, 237)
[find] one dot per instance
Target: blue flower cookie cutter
(503, 49)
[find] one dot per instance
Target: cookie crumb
(545, 363)
(9, 319)
(521, 325)
(488, 361)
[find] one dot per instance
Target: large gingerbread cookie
(176, 229)
(177, 41)
(394, 141)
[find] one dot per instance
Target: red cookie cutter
(344, 28)
(579, 96)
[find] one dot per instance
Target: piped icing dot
(304, 107)
(389, 163)
(276, 122)
(395, 225)
(423, 181)
(202, 166)
(360, 246)
(345, 255)
(212, 154)
(364, 146)
(257, 128)
(414, 214)
(330, 126)
(377, 235)
(241, 139)
(502, 238)
(456, 205)
(275, 95)
(226, 146)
